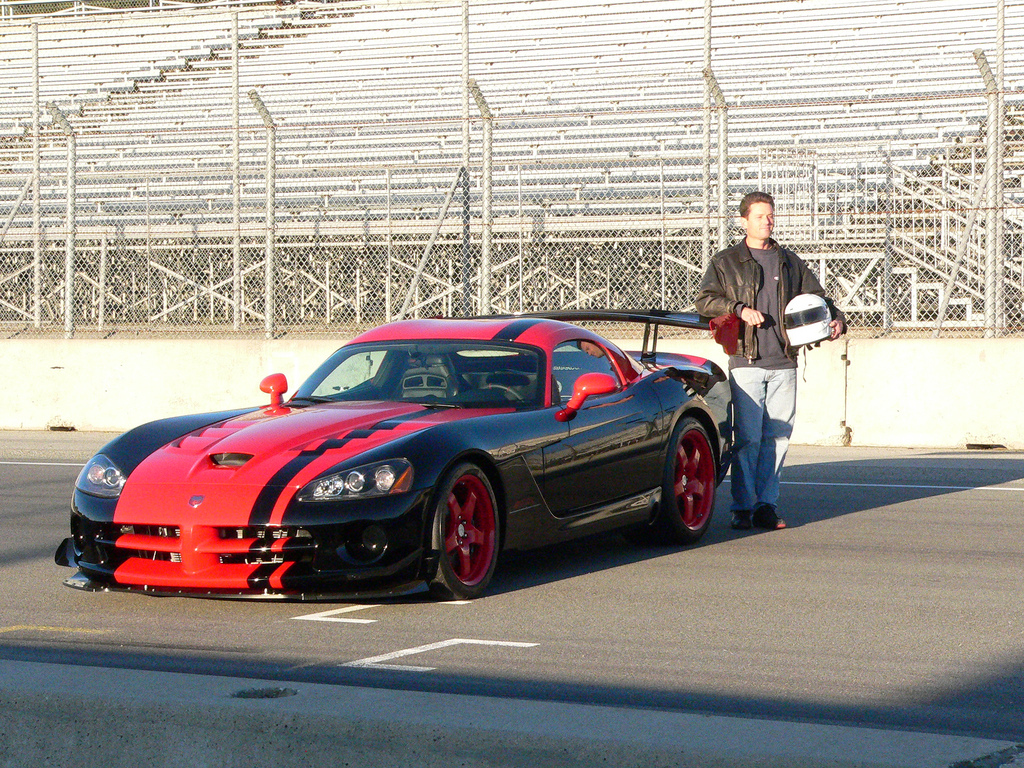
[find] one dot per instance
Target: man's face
(759, 221)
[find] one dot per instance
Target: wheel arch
(486, 464)
(707, 421)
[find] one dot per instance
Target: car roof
(541, 332)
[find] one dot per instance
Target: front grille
(264, 545)
(113, 543)
(162, 531)
(117, 541)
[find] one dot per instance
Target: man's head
(757, 215)
(754, 197)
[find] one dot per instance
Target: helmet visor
(807, 316)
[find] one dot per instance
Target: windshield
(471, 374)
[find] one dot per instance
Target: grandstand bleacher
(597, 117)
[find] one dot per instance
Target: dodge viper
(411, 458)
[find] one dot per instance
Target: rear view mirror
(587, 385)
(275, 385)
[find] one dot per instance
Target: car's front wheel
(688, 488)
(464, 534)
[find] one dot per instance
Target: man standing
(754, 279)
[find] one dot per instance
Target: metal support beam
(465, 308)
(271, 176)
(991, 172)
(69, 238)
(485, 182)
(705, 249)
(236, 182)
(723, 157)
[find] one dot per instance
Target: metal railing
(176, 205)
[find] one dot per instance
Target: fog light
(375, 541)
(367, 547)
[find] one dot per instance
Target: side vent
(230, 459)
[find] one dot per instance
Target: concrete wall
(903, 392)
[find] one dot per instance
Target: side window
(571, 359)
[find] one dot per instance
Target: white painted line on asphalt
(1008, 488)
(39, 464)
(332, 615)
(36, 628)
(379, 662)
(1011, 489)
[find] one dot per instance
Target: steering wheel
(507, 390)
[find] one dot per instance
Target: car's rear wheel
(688, 488)
(464, 534)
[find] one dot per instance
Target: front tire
(464, 533)
(689, 484)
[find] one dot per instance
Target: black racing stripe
(397, 420)
(515, 329)
(271, 492)
(259, 578)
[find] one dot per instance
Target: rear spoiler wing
(651, 318)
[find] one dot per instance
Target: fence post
(888, 245)
(102, 308)
(991, 161)
(37, 214)
(663, 298)
(723, 157)
(236, 182)
(705, 244)
(485, 182)
(465, 309)
(268, 264)
(1001, 166)
(390, 254)
(69, 238)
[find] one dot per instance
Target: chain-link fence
(321, 167)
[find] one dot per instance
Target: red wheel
(688, 492)
(465, 534)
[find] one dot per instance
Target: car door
(612, 450)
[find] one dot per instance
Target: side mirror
(275, 385)
(587, 385)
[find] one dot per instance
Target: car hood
(245, 471)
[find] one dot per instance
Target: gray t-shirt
(771, 347)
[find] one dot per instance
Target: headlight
(101, 477)
(380, 479)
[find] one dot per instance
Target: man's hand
(751, 316)
(838, 329)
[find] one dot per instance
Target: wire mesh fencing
(321, 167)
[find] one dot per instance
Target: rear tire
(689, 484)
(464, 533)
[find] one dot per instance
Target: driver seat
(430, 378)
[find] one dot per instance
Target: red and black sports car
(411, 457)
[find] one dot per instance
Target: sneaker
(766, 517)
(741, 520)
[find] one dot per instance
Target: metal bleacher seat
(573, 86)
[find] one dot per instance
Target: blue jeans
(764, 409)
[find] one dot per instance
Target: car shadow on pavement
(868, 491)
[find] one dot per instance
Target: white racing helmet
(807, 320)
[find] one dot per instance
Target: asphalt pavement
(884, 627)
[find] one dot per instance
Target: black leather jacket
(734, 277)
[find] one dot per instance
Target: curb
(102, 717)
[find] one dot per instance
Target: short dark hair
(754, 197)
